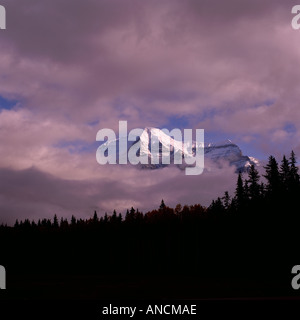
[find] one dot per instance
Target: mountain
(217, 153)
(229, 152)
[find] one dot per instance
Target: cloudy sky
(71, 67)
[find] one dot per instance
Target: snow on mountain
(218, 153)
(230, 152)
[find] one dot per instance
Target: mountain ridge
(217, 152)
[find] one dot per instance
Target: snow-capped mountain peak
(159, 140)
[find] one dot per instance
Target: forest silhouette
(251, 235)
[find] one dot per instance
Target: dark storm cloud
(33, 194)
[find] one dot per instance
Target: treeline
(132, 216)
(281, 189)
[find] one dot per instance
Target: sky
(69, 68)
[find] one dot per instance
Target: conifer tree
(73, 221)
(253, 181)
(55, 221)
(105, 218)
(240, 192)
(162, 205)
(95, 217)
(127, 216)
(114, 216)
(294, 176)
(120, 218)
(273, 177)
(285, 173)
(226, 199)
(284, 169)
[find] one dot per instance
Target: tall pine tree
(240, 192)
(273, 177)
(294, 175)
(253, 183)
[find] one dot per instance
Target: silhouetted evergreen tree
(226, 200)
(217, 207)
(95, 217)
(162, 205)
(253, 182)
(294, 176)
(55, 221)
(113, 218)
(246, 192)
(262, 189)
(105, 220)
(27, 224)
(285, 175)
(63, 223)
(273, 177)
(17, 224)
(120, 218)
(132, 215)
(127, 215)
(240, 192)
(73, 221)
